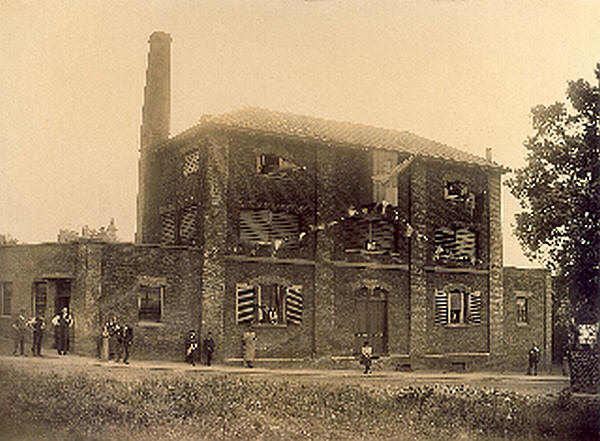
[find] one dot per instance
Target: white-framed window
(6, 298)
(191, 163)
(455, 305)
(268, 304)
(522, 310)
(267, 227)
(151, 303)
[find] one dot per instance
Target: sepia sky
(465, 73)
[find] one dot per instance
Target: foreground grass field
(78, 404)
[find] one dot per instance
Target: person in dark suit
(209, 348)
(37, 324)
(19, 326)
(125, 339)
(534, 358)
(63, 322)
(191, 347)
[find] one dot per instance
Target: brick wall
(291, 341)
(532, 284)
(124, 268)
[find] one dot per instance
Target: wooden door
(371, 320)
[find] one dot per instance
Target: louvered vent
(168, 221)
(187, 227)
(245, 303)
(191, 163)
(294, 304)
(441, 308)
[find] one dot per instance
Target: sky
(465, 73)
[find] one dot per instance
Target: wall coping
(441, 269)
(273, 260)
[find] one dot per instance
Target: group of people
(192, 348)
(120, 339)
(62, 323)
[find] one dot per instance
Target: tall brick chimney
(156, 115)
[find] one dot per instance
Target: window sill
(147, 324)
(522, 324)
(268, 325)
(459, 325)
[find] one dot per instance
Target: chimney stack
(156, 112)
(156, 117)
(488, 154)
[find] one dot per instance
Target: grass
(84, 405)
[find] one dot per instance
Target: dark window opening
(150, 304)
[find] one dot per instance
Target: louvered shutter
(293, 303)
(255, 225)
(191, 163)
(475, 307)
(441, 308)
(187, 229)
(465, 244)
(245, 301)
(446, 240)
(168, 228)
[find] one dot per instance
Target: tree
(559, 193)
(7, 239)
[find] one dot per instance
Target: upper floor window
(373, 235)
(271, 164)
(191, 163)
(5, 298)
(522, 310)
(178, 226)
(267, 227)
(456, 305)
(268, 304)
(459, 245)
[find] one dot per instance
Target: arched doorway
(370, 312)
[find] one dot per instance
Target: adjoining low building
(320, 234)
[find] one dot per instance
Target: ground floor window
(268, 304)
(40, 301)
(150, 303)
(456, 305)
(522, 317)
(5, 298)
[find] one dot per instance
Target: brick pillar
(324, 322)
(85, 292)
(214, 213)
(495, 281)
(418, 253)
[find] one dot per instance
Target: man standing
(191, 346)
(209, 348)
(38, 324)
(366, 356)
(249, 342)
(125, 338)
(113, 329)
(63, 322)
(534, 358)
(19, 326)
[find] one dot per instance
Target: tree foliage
(559, 193)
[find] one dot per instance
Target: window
(270, 164)
(150, 303)
(455, 306)
(458, 245)
(5, 298)
(372, 235)
(178, 227)
(265, 226)
(522, 317)
(456, 191)
(40, 292)
(268, 304)
(191, 163)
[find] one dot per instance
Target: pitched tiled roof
(254, 118)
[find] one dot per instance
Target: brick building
(319, 233)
